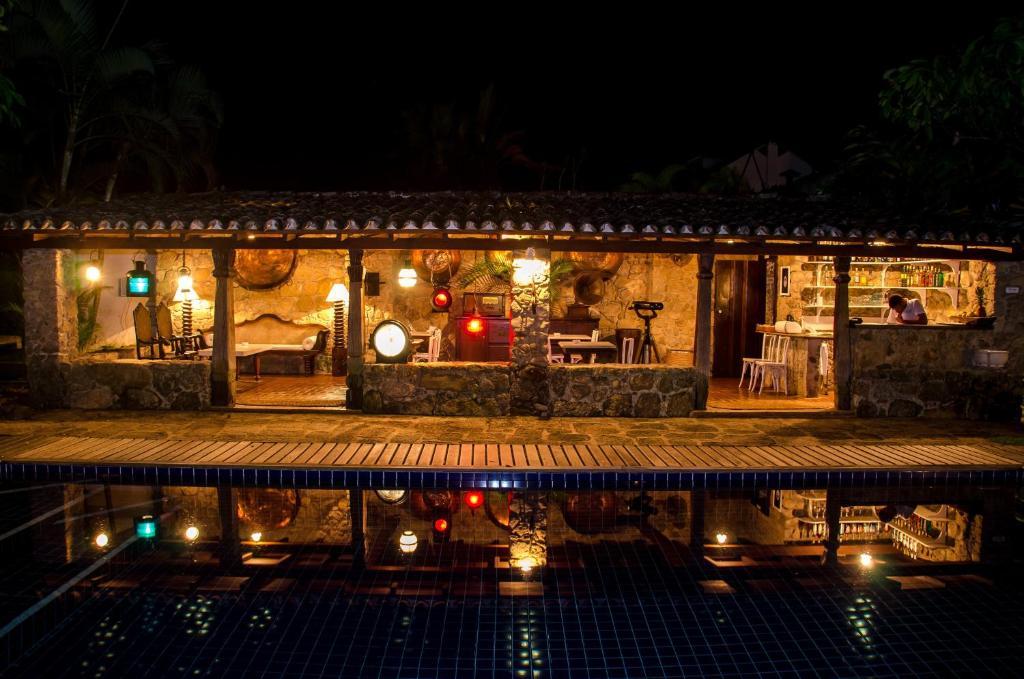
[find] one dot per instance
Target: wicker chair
(145, 334)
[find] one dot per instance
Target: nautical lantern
(140, 281)
(145, 526)
(407, 275)
(407, 542)
(391, 341)
(475, 326)
(441, 300)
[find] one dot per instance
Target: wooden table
(802, 362)
(255, 351)
(590, 350)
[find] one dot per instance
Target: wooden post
(356, 343)
(230, 543)
(702, 330)
(833, 513)
(357, 508)
(841, 334)
(223, 369)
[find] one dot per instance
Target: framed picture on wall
(783, 281)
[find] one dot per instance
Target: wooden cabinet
(572, 326)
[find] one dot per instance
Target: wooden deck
(95, 451)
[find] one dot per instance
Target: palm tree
(121, 106)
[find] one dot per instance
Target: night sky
(318, 99)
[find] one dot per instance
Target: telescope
(638, 305)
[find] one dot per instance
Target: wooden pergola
(558, 222)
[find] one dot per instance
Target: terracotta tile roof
(615, 215)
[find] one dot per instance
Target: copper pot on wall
(589, 287)
(606, 262)
(436, 266)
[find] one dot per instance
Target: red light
(442, 299)
(474, 499)
(475, 326)
(441, 525)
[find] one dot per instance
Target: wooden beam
(702, 328)
(841, 334)
(554, 242)
(356, 343)
(223, 373)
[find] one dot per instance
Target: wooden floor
(497, 457)
(724, 394)
(305, 391)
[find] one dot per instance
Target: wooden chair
(182, 346)
(433, 349)
(145, 334)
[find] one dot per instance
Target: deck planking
(490, 456)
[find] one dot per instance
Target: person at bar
(906, 311)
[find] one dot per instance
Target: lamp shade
(338, 293)
(185, 295)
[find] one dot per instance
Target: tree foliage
(951, 132)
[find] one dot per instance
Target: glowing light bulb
(721, 537)
(93, 273)
(102, 540)
(527, 564)
(191, 533)
(256, 536)
(407, 275)
(866, 560)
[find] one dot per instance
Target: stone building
(262, 266)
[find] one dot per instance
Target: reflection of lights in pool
(721, 537)
(407, 542)
(474, 499)
(191, 533)
(866, 560)
(441, 525)
(392, 496)
(527, 564)
(102, 540)
(256, 536)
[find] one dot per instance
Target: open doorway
(742, 294)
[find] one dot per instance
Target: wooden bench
(286, 338)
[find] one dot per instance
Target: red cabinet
(483, 339)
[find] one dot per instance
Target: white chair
(626, 351)
(552, 356)
(433, 349)
(767, 342)
(825, 366)
(776, 367)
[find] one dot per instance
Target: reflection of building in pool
(937, 533)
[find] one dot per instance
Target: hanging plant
(496, 272)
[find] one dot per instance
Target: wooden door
(739, 307)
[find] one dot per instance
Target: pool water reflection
(448, 583)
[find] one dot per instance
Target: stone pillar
(528, 531)
(51, 322)
(531, 316)
(841, 334)
(356, 343)
(702, 328)
(223, 373)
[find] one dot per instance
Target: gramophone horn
(589, 287)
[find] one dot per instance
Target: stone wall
(901, 371)
(622, 391)
(93, 384)
(572, 390)
(436, 388)
(51, 321)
